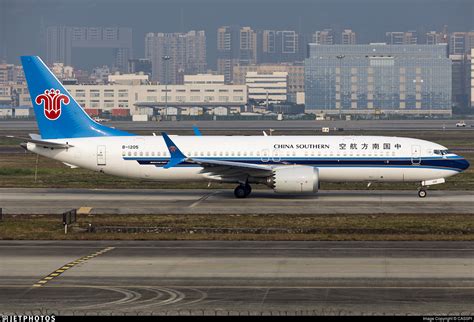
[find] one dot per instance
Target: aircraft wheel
(248, 189)
(240, 192)
(422, 193)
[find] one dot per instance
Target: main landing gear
(242, 191)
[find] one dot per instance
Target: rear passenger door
(101, 155)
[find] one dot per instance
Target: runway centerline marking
(70, 265)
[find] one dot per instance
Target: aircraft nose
(462, 164)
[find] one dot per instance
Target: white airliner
(287, 164)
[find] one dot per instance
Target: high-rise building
(378, 78)
(275, 46)
(461, 43)
(434, 38)
(348, 37)
(457, 43)
(62, 40)
(140, 65)
(235, 46)
(401, 37)
(186, 52)
(472, 78)
(61, 71)
(460, 80)
(11, 74)
(324, 37)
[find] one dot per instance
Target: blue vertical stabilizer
(57, 112)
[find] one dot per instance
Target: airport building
(295, 80)
(125, 97)
(201, 79)
(461, 80)
(269, 88)
(378, 78)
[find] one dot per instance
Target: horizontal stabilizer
(42, 143)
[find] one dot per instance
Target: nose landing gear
(421, 193)
(242, 191)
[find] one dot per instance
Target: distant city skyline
(23, 23)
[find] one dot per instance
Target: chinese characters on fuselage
(342, 146)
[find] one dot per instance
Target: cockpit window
(442, 152)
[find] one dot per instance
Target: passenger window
(135, 153)
(129, 154)
(147, 153)
(124, 153)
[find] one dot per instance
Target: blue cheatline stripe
(427, 163)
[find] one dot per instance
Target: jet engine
(294, 179)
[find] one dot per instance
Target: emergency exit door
(101, 155)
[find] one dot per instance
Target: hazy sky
(21, 21)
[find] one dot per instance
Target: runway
(245, 126)
(220, 201)
(238, 277)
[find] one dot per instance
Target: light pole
(339, 59)
(165, 59)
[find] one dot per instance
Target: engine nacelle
(295, 179)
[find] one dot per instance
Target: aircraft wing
(232, 169)
(216, 167)
(42, 143)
